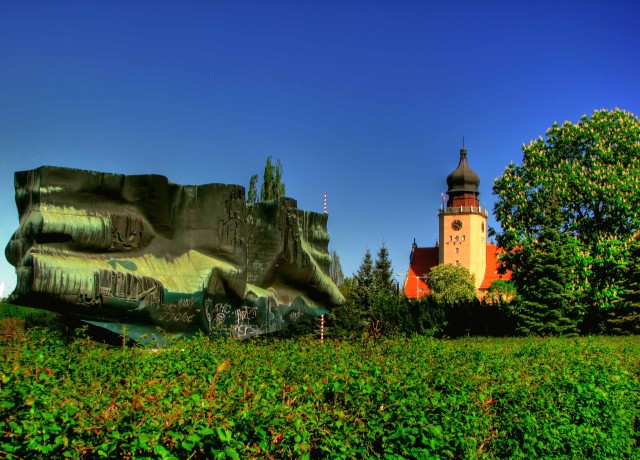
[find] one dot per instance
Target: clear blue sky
(367, 101)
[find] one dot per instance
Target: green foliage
(549, 303)
(625, 318)
(335, 270)
(360, 305)
(501, 291)
(582, 181)
(383, 281)
(451, 284)
(394, 398)
(252, 196)
(272, 186)
(31, 317)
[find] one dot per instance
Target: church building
(462, 236)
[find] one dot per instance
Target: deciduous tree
(272, 186)
(253, 189)
(581, 180)
(451, 284)
(335, 269)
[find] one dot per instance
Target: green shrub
(394, 398)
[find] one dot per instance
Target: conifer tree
(548, 302)
(362, 298)
(625, 318)
(364, 281)
(382, 274)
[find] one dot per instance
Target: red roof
(491, 274)
(424, 259)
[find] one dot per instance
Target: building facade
(462, 238)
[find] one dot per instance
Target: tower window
(450, 238)
(464, 237)
(457, 250)
(457, 238)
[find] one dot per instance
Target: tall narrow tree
(268, 181)
(253, 189)
(272, 186)
(362, 298)
(383, 274)
(335, 269)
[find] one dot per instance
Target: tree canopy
(581, 180)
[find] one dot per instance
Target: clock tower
(463, 222)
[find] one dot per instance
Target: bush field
(412, 397)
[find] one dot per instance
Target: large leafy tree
(451, 284)
(581, 180)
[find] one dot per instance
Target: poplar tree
(272, 186)
(268, 181)
(253, 189)
(335, 269)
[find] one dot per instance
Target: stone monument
(145, 253)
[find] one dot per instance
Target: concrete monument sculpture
(144, 252)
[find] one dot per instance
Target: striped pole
(322, 316)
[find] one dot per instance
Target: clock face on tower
(456, 225)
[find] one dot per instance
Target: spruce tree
(625, 318)
(548, 302)
(382, 274)
(362, 298)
